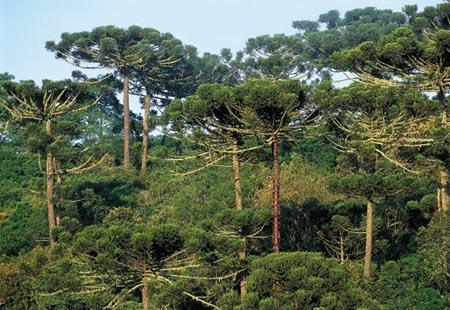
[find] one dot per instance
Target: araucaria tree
(45, 106)
(276, 105)
(275, 111)
(273, 57)
(298, 173)
(371, 126)
(163, 74)
(416, 55)
(132, 256)
(211, 120)
(108, 47)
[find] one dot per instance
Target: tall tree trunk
(126, 122)
(58, 204)
(275, 198)
(145, 132)
(145, 294)
(443, 195)
(237, 176)
(369, 237)
(49, 194)
(239, 206)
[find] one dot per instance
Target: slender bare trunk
(237, 176)
(145, 293)
(145, 132)
(58, 204)
(276, 198)
(126, 123)
(443, 195)
(239, 206)
(369, 236)
(49, 194)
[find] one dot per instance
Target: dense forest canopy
(249, 181)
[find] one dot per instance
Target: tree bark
(239, 206)
(145, 294)
(443, 195)
(58, 203)
(243, 280)
(369, 237)
(126, 123)
(145, 132)
(237, 176)
(50, 175)
(275, 198)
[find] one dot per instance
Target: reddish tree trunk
(126, 123)
(369, 237)
(276, 198)
(49, 194)
(145, 132)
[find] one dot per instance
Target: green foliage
(400, 285)
(273, 57)
(273, 102)
(89, 197)
(357, 26)
(20, 219)
(433, 249)
(318, 152)
(299, 280)
(21, 229)
(177, 228)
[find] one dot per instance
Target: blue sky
(25, 25)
